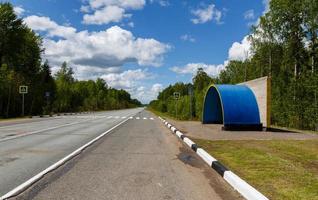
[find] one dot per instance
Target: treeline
(21, 64)
(284, 47)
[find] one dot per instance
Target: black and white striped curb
(246, 190)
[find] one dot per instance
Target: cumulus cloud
(206, 14)
(240, 50)
(18, 10)
(192, 68)
(45, 24)
(107, 11)
(110, 48)
(133, 81)
(187, 37)
(146, 94)
(127, 79)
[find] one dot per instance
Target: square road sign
(23, 89)
(176, 95)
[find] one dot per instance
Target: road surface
(140, 159)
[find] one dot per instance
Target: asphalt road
(30, 146)
(140, 159)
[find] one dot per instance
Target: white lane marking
(109, 117)
(130, 117)
(145, 117)
(137, 117)
(117, 117)
(124, 117)
(42, 130)
(37, 177)
(151, 118)
(26, 123)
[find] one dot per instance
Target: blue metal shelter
(234, 106)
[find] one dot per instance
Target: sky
(142, 46)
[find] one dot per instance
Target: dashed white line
(145, 117)
(137, 117)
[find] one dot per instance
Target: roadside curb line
(22, 187)
(246, 190)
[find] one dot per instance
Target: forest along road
(28, 147)
(140, 159)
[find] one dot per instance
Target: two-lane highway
(139, 159)
(28, 148)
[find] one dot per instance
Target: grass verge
(278, 169)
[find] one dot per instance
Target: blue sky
(142, 45)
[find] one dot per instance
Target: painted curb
(22, 187)
(246, 190)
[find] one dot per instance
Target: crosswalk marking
(145, 118)
(124, 117)
(151, 118)
(137, 117)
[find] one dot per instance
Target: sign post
(23, 90)
(176, 97)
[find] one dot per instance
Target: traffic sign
(23, 89)
(176, 95)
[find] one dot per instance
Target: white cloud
(187, 37)
(127, 79)
(85, 9)
(240, 50)
(249, 15)
(110, 48)
(18, 10)
(209, 13)
(107, 11)
(146, 94)
(106, 15)
(133, 81)
(46, 24)
(192, 68)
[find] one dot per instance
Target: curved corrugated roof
(232, 105)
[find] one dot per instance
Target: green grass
(161, 114)
(278, 169)
(167, 115)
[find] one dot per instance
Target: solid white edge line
(246, 190)
(37, 177)
(42, 130)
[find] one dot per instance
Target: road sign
(176, 95)
(23, 89)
